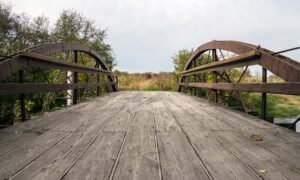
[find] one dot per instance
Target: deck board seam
(238, 131)
(189, 141)
(111, 176)
(49, 149)
(156, 144)
(212, 132)
(61, 111)
(18, 147)
(255, 143)
(94, 139)
(248, 166)
(112, 173)
(223, 108)
(157, 150)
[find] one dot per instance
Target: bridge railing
(192, 78)
(43, 57)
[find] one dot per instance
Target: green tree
(19, 31)
(179, 61)
(72, 26)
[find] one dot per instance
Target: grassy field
(277, 105)
(145, 81)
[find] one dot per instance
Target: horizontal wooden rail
(250, 58)
(290, 88)
(17, 88)
(38, 60)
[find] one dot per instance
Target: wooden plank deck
(148, 135)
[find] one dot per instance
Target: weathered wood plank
(197, 111)
(67, 119)
(229, 117)
(38, 168)
(97, 162)
(265, 163)
(286, 147)
(218, 160)
(19, 158)
(122, 121)
(177, 157)
(106, 147)
(139, 158)
(15, 141)
(278, 146)
(157, 135)
(54, 166)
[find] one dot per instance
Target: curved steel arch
(16, 62)
(282, 66)
(248, 54)
(48, 49)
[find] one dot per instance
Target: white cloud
(146, 33)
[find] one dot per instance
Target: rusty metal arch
(18, 61)
(247, 54)
(48, 49)
(282, 66)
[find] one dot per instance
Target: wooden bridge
(150, 135)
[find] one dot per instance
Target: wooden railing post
(75, 74)
(264, 96)
(117, 81)
(98, 80)
(22, 97)
(215, 76)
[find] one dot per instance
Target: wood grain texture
(265, 163)
(97, 162)
(138, 159)
(60, 158)
(19, 158)
(219, 161)
(178, 158)
(147, 135)
(277, 140)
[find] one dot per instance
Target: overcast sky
(145, 34)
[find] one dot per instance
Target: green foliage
(19, 31)
(74, 27)
(145, 81)
(151, 87)
(277, 105)
(179, 61)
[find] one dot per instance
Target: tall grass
(145, 81)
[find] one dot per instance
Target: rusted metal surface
(282, 66)
(49, 49)
(246, 55)
(276, 88)
(39, 57)
(34, 60)
(249, 58)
